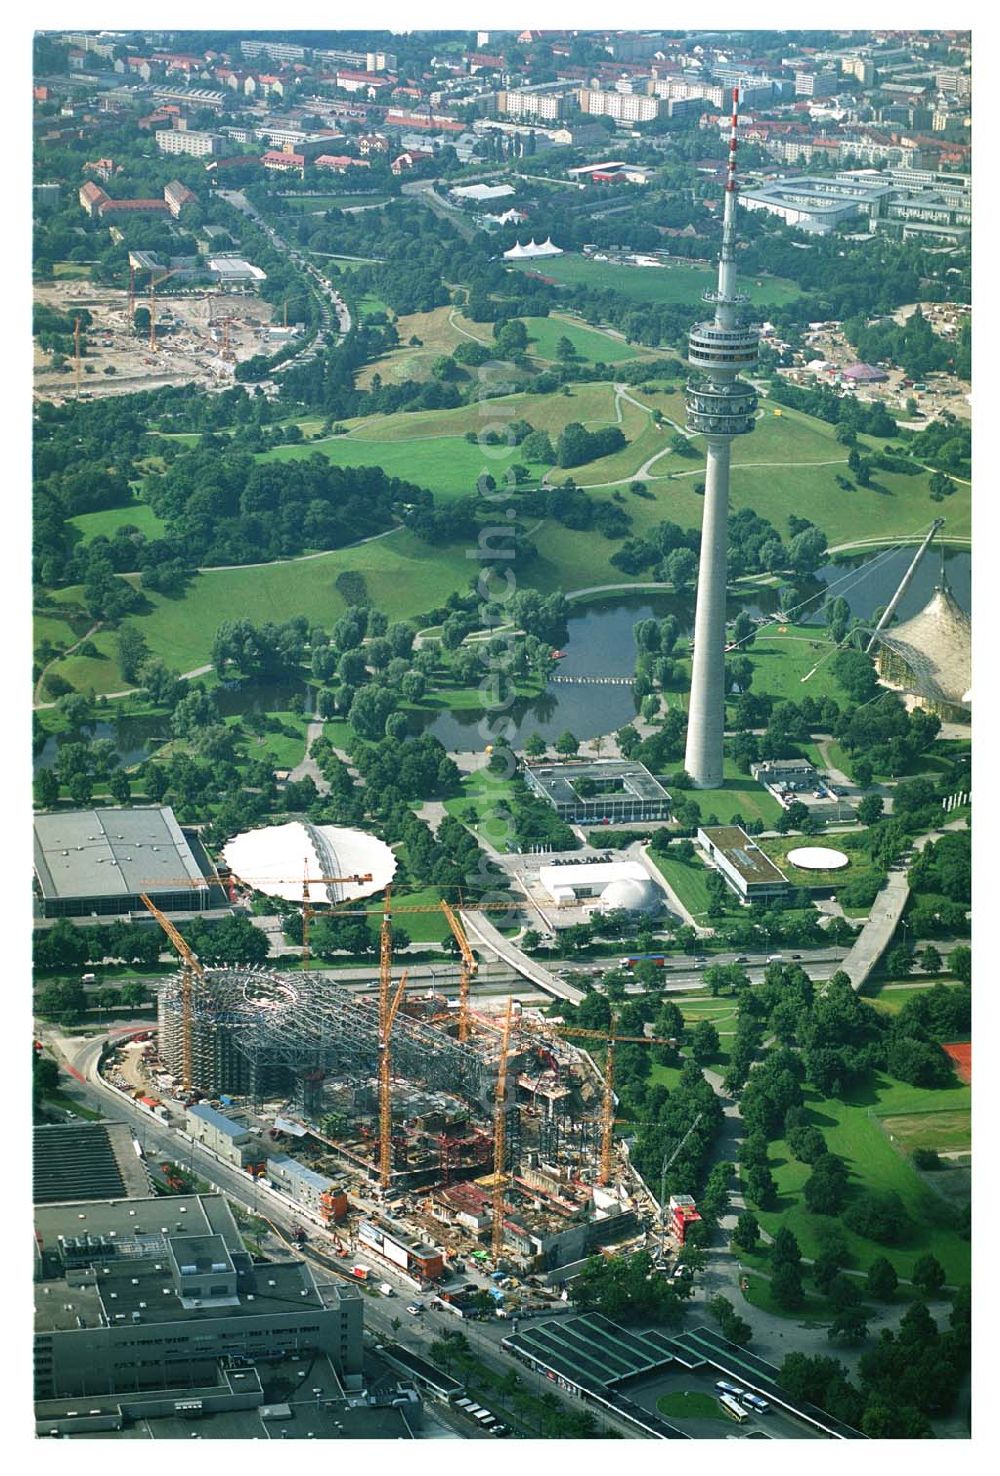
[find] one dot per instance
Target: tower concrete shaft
(707, 705)
(719, 406)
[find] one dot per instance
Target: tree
(132, 651)
(870, 809)
(535, 745)
(930, 960)
(120, 788)
(928, 1274)
(704, 1042)
(567, 744)
(786, 1286)
(878, 1215)
(747, 1232)
(882, 1279)
(680, 569)
(46, 789)
(824, 1190)
(960, 963)
(849, 1327)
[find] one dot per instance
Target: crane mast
(468, 969)
(190, 964)
(500, 1137)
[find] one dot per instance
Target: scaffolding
(261, 1034)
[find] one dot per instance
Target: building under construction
(263, 1035)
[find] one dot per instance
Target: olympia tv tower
(719, 407)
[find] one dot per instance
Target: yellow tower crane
(500, 1137)
(470, 965)
(611, 1040)
(190, 964)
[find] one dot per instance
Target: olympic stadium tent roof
(275, 860)
(936, 646)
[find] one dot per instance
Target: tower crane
(155, 282)
(611, 1040)
(470, 965)
(190, 964)
(500, 1136)
(76, 354)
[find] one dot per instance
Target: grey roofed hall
(112, 853)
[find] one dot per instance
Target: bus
(733, 1408)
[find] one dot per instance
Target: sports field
(678, 282)
(943, 1131)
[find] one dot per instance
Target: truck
(385, 1288)
(361, 1272)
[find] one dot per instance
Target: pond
(600, 643)
(135, 738)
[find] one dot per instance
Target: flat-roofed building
(231, 1140)
(751, 874)
(78, 1161)
(191, 141)
(100, 861)
(612, 790)
(149, 1293)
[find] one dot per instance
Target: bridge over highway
(481, 929)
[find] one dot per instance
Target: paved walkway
(308, 768)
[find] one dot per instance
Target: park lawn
(590, 343)
(404, 577)
(946, 1132)
(740, 794)
(284, 749)
(674, 283)
(310, 204)
(423, 927)
(684, 1404)
(689, 879)
(94, 674)
(57, 629)
(447, 465)
(814, 1309)
(722, 1013)
(783, 657)
(438, 335)
(489, 797)
(72, 271)
(853, 1131)
(891, 1000)
(104, 524)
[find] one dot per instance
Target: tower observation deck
(720, 405)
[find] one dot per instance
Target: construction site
(491, 1130)
(194, 335)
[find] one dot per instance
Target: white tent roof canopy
(276, 858)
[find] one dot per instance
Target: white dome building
(631, 894)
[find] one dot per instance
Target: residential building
(751, 874)
(525, 103)
(284, 161)
(188, 141)
(277, 50)
(178, 197)
(623, 107)
(372, 143)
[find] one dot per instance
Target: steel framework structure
(259, 1033)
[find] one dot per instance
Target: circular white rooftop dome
(630, 894)
(818, 858)
(275, 858)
